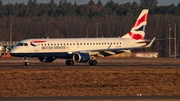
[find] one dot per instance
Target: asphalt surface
(102, 62)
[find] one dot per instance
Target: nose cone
(14, 52)
(18, 52)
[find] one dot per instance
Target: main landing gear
(69, 62)
(91, 62)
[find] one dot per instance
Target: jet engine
(81, 57)
(46, 59)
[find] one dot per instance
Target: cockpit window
(22, 44)
(19, 44)
(25, 44)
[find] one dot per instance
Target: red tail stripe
(142, 19)
(136, 36)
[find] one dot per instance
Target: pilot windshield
(22, 44)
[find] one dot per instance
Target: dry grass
(89, 81)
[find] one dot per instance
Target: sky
(160, 2)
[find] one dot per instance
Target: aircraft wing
(108, 52)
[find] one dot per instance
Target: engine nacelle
(81, 57)
(46, 59)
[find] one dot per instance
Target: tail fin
(138, 30)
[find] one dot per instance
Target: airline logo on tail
(34, 42)
(138, 30)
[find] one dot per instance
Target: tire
(69, 62)
(93, 62)
(26, 63)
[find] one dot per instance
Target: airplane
(83, 50)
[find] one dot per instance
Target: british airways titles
(54, 47)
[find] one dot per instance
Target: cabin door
(36, 48)
(124, 43)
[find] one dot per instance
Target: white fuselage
(72, 45)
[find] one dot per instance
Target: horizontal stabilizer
(149, 45)
(164, 39)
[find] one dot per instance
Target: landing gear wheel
(26, 63)
(69, 62)
(93, 62)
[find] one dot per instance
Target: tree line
(67, 20)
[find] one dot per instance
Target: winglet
(149, 45)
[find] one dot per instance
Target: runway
(102, 63)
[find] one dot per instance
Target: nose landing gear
(26, 59)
